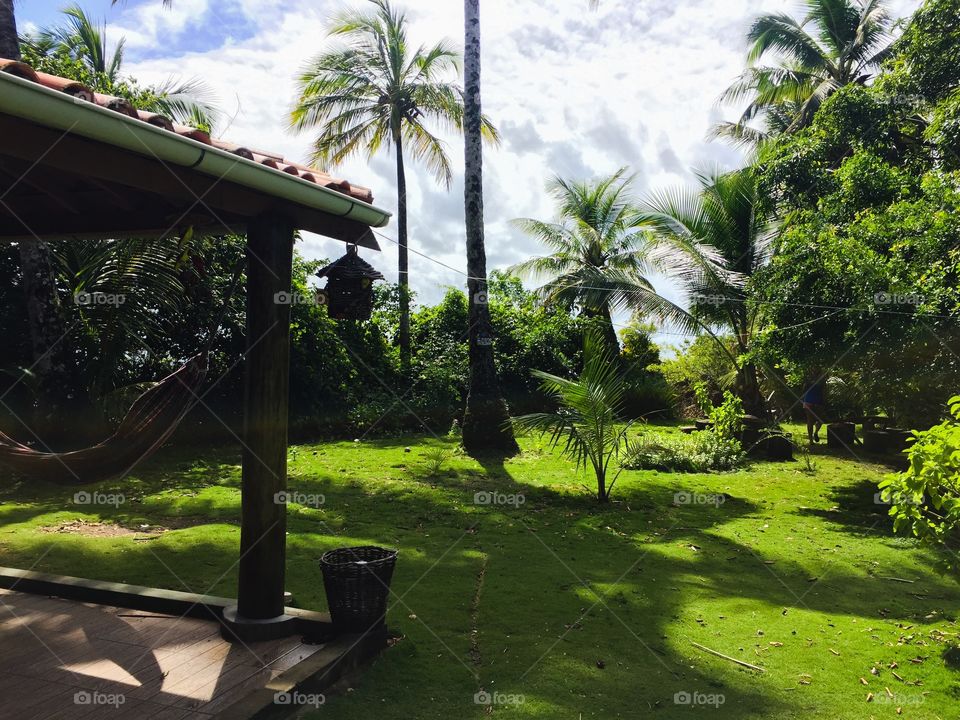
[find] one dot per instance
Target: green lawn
(584, 611)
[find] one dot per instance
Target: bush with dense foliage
(697, 452)
(925, 498)
(697, 364)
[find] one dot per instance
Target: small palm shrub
(698, 452)
(586, 425)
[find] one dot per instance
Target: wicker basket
(357, 582)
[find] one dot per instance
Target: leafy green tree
(528, 335)
(376, 90)
(836, 43)
(587, 425)
(863, 280)
(699, 366)
(929, 50)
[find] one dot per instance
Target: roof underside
(69, 168)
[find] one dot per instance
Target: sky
(574, 93)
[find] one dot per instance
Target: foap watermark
(297, 298)
(697, 698)
(481, 298)
(893, 497)
(702, 299)
(906, 100)
(492, 497)
(497, 698)
(98, 498)
(299, 699)
(899, 699)
(890, 298)
(291, 497)
(689, 498)
(99, 298)
(84, 697)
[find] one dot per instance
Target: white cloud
(573, 92)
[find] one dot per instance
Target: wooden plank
(138, 597)
(159, 600)
(242, 678)
(194, 677)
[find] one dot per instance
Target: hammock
(148, 424)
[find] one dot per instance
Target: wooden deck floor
(62, 659)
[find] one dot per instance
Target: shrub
(925, 498)
(697, 452)
(727, 417)
(697, 375)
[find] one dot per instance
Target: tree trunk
(748, 388)
(9, 45)
(602, 321)
(48, 341)
(486, 421)
(402, 256)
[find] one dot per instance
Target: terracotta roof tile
(70, 87)
(19, 69)
(120, 105)
(157, 119)
(123, 106)
(200, 136)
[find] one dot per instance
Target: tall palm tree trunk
(486, 427)
(402, 255)
(44, 320)
(9, 45)
(602, 320)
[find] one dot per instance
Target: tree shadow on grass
(857, 508)
(577, 606)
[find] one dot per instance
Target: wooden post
(263, 533)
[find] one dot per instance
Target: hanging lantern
(349, 290)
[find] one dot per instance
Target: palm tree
(486, 419)
(718, 236)
(381, 90)
(836, 43)
(144, 278)
(587, 423)
(85, 41)
(189, 102)
(600, 255)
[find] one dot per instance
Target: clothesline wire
(838, 309)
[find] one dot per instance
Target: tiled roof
(124, 107)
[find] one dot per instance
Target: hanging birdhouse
(349, 290)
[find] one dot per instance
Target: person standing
(813, 401)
